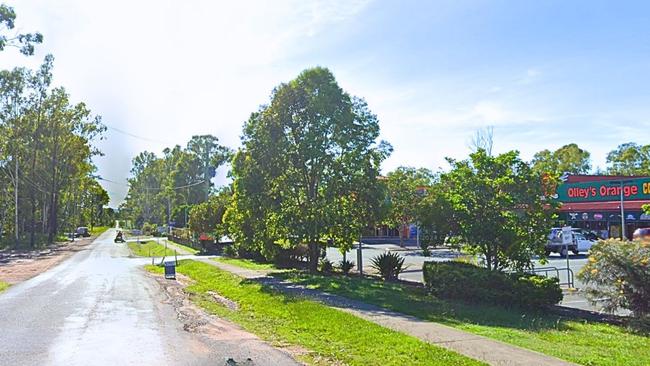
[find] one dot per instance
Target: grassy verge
(333, 336)
(150, 248)
(98, 230)
(187, 249)
(3, 286)
(581, 342)
(245, 263)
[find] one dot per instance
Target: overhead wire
(137, 136)
(154, 188)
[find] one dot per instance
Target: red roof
(597, 178)
(603, 206)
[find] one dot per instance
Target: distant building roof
(596, 178)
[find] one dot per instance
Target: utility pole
(206, 175)
(622, 215)
(16, 199)
(621, 184)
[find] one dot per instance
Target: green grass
(98, 230)
(188, 249)
(245, 263)
(332, 335)
(582, 342)
(150, 248)
(3, 286)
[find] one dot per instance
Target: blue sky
(543, 73)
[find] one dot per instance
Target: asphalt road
(100, 308)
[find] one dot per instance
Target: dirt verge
(17, 266)
(196, 320)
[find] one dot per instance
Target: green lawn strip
(98, 230)
(582, 342)
(187, 249)
(329, 333)
(3, 286)
(150, 248)
(245, 263)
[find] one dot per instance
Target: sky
(543, 73)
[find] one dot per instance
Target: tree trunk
(313, 257)
(32, 201)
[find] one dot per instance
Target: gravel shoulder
(247, 348)
(18, 266)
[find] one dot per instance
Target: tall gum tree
(313, 149)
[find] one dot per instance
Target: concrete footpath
(480, 348)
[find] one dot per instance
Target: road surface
(100, 308)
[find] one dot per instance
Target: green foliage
(23, 41)
(3, 286)
(346, 266)
(165, 188)
(499, 209)
(148, 228)
(389, 265)
(618, 274)
(567, 159)
(326, 266)
(207, 217)
(307, 169)
(48, 142)
(470, 283)
(406, 191)
(629, 159)
(435, 216)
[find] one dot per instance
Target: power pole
(16, 199)
(206, 175)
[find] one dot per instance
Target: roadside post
(360, 258)
(621, 184)
(567, 239)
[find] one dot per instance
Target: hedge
(470, 283)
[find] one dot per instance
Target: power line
(138, 136)
(159, 188)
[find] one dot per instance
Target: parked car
(82, 231)
(642, 233)
(579, 243)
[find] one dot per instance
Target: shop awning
(603, 206)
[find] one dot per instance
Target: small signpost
(567, 239)
(360, 258)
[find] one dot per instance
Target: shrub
(618, 274)
(230, 251)
(389, 265)
(326, 266)
(346, 266)
(426, 252)
(148, 229)
(470, 283)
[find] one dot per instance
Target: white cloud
(490, 112)
(167, 70)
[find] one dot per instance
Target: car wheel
(575, 252)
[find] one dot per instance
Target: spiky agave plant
(389, 265)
